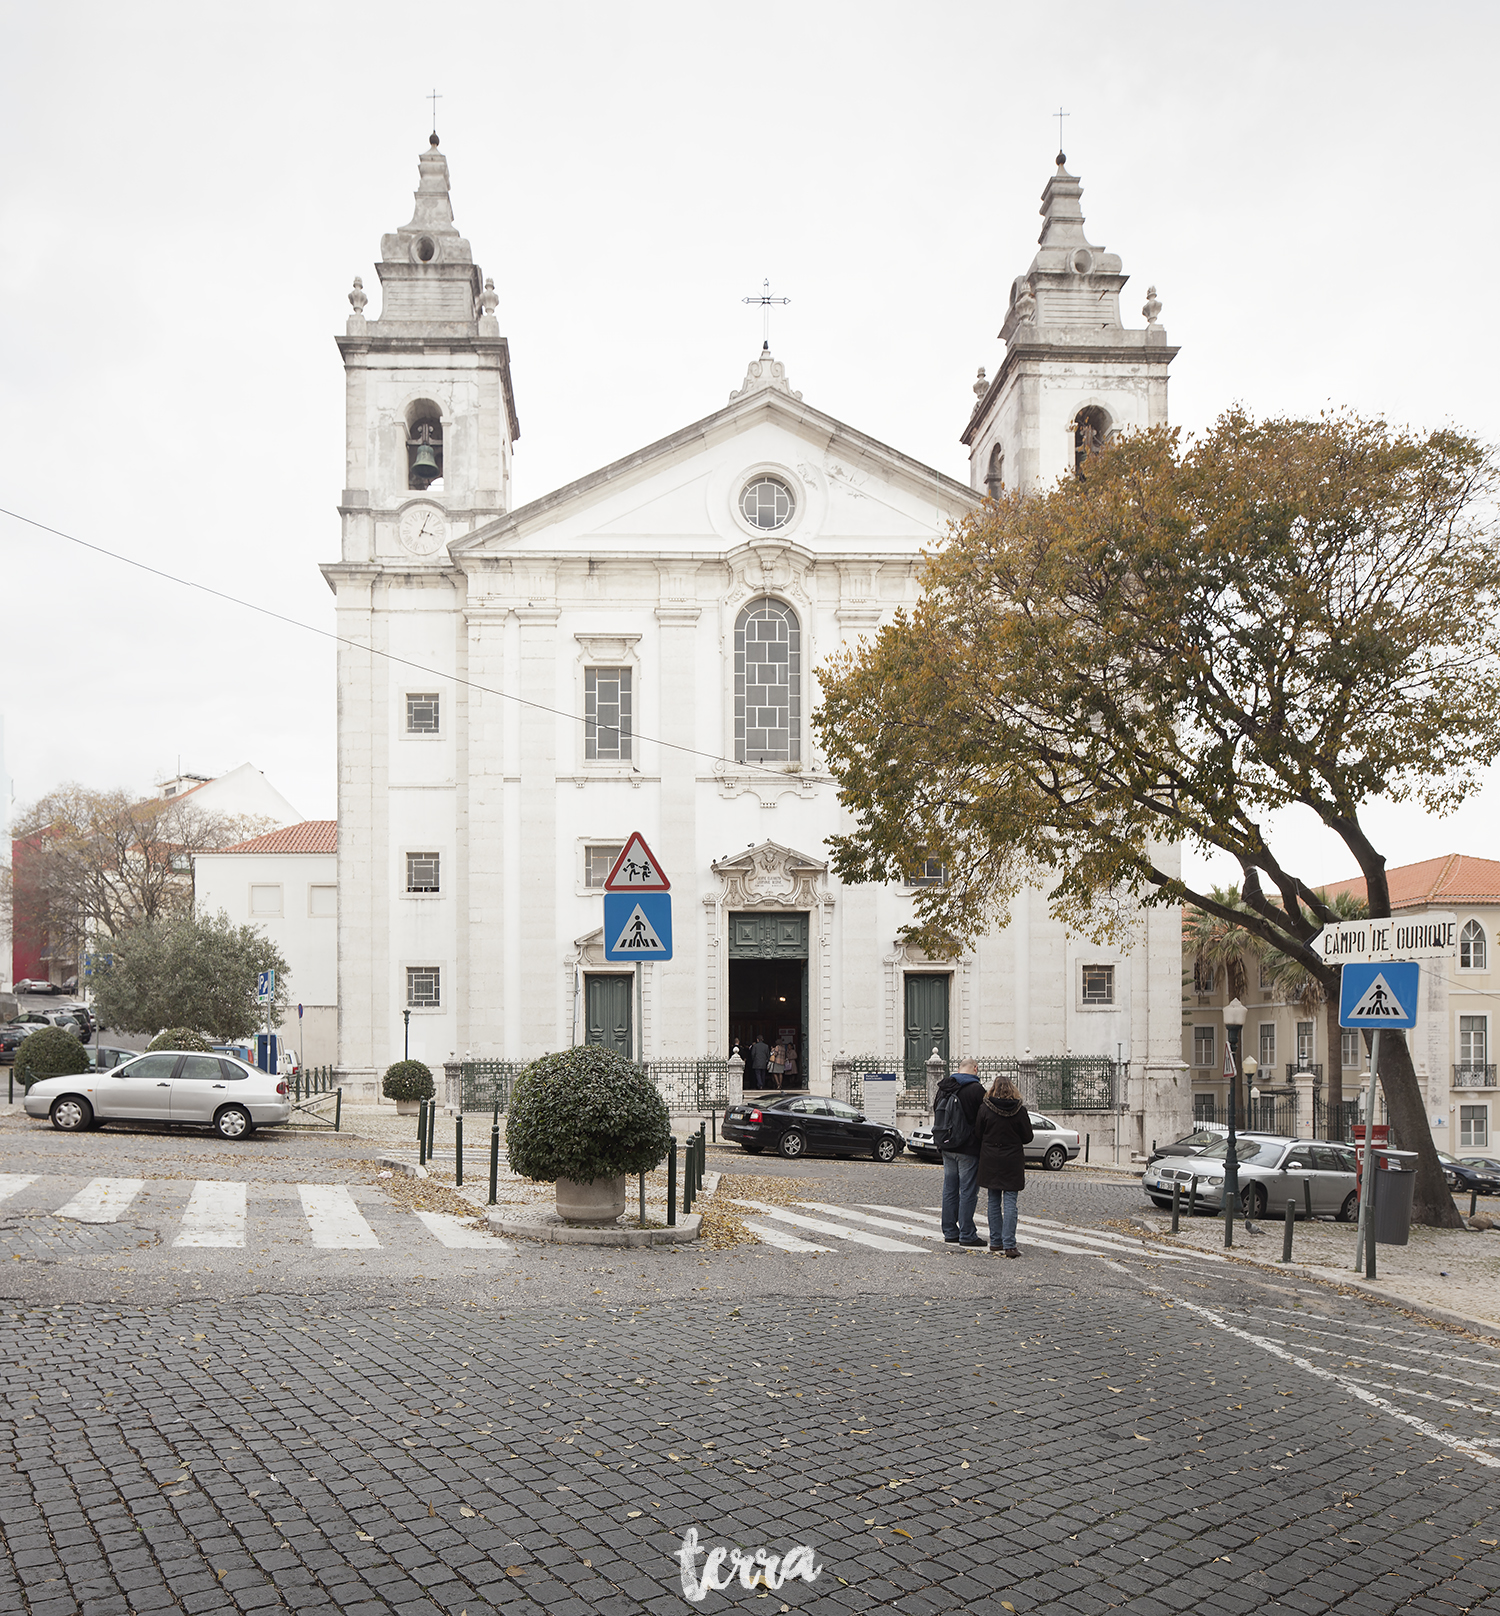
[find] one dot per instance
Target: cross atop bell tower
(431, 415)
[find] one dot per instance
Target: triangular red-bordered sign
(636, 869)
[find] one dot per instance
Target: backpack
(951, 1129)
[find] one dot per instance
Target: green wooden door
(926, 1017)
(606, 1012)
(779, 934)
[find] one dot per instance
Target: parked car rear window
(200, 1068)
(235, 1074)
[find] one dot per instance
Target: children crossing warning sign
(1379, 995)
(638, 926)
(636, 869)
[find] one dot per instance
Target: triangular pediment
(772, 876)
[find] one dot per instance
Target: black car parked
(810, 1125)
(1463, 1177)
(10, 1040)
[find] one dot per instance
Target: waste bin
(1395, 1182)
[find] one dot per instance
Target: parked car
(1462, 1176)
(104, 1057)
(809, 1124)
(1192, 1144)
(10, 1040)
(1272, 1171)
(1052, 1146)
(204, 1091)
(1483, 1164)
(32, 984)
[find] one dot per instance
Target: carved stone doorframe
(771, 877)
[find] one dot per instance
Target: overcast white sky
(189, 191)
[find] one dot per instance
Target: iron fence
(691, 1085)
(487, 1083)
(1205, 1107)
(1469, 1076)
(310, 1080)
(1295, 1069)
(1271, 1113)
(1045, 1082)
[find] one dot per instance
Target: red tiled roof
(1453, 878)
(311, 836)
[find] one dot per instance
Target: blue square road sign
(1379, 994)
(637, 925)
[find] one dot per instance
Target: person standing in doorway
(954, 1108)
(760, 1059)
(1002, 1131)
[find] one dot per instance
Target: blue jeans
(1003, 1208)
(960, 1196)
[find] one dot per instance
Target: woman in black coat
(1002, 1128)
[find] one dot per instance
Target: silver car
(203, 1091)
(1052, 1146)
(1273, 1171)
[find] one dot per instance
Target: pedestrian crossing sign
(1375, 994)
(637, 925)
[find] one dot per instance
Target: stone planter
(598, 1200)
(408, 1108)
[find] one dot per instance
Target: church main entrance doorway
(768, 956)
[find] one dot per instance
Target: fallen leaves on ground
(423, 1194)
(724, 1225)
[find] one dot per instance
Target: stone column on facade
(679, 998)
(1166, 1090)
(534, 857)
(487, 848)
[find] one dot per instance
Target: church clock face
(423, 529)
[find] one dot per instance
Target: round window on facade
(767, 503)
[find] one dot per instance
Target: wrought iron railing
(1467, 1076)
(1294, 1069)
(1047, 1082)
(691, 1085)
(1271, 1113)
(487, 1083)
(1204, 1107)
(310, 1080)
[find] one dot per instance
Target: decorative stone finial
(489, 299)
(764, 371)
(357, 298)
(432, 139)
(1152, 306)
(981, 386)
(1062, 159)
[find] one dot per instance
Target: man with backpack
(954, 1108)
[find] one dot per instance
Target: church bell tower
(1072, 374)
(431, 416)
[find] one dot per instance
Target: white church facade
(520, 689)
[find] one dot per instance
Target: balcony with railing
(1294, 1069)
(1467, 1076)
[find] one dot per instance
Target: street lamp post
(406, 1035)
(1234, 1021)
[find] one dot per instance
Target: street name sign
(1416, 937)
(638, 925)
(636, 869)
(1379, 993)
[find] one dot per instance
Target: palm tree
(1219, 945)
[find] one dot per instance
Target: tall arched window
(767, 684)
(1473, 952)
(994, 478)
(1091, 429)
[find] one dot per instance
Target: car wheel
(886, 1150)
(1253, 1200)
(72, 1115)
(752, 1150)
(1350, 1209)
(792, 1144)
(1055, 1159)
(233, 1122)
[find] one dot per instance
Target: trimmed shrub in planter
(407, 1080)
(181, 1038)
(49, 1052)
(585, 1113)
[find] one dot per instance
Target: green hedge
(585, 1113)
(181, 1038)
(49, 1052)
(407, 1080)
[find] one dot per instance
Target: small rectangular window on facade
(1351, 1051)
(1473, 1127)
(607, 721)
(1473, 1040)
(1267, 1044)
(424, 987)
(422, 712)
(265, 898)
(323, 902)
(422, 872)
(1098, 984)
(1304, 1043)
(598, 860)
(930, 872)
(1203, 1046)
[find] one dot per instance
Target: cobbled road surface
(412, 1428)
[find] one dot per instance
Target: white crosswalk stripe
(859, 1237)
(102, 1200)
(768, 1234)
(14, 1183)
(903, 1227)
(215, 1215)
(336, 1222)
(457, 1235)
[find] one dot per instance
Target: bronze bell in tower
(424, 464)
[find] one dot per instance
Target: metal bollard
(458, 1150)
(1193, 1195)
(1473, 1202)
(495, 1156)
(672, 1186)
(1307, 1196)
(431, 1126)
(1374, 1177)
(1286, 1233)
(689, 1151)
(713, 1122)
(421, 1133)
(1085, 1150)
(338, 1108)
(643, 1201)
(1176, 1205)
(702, 1155)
